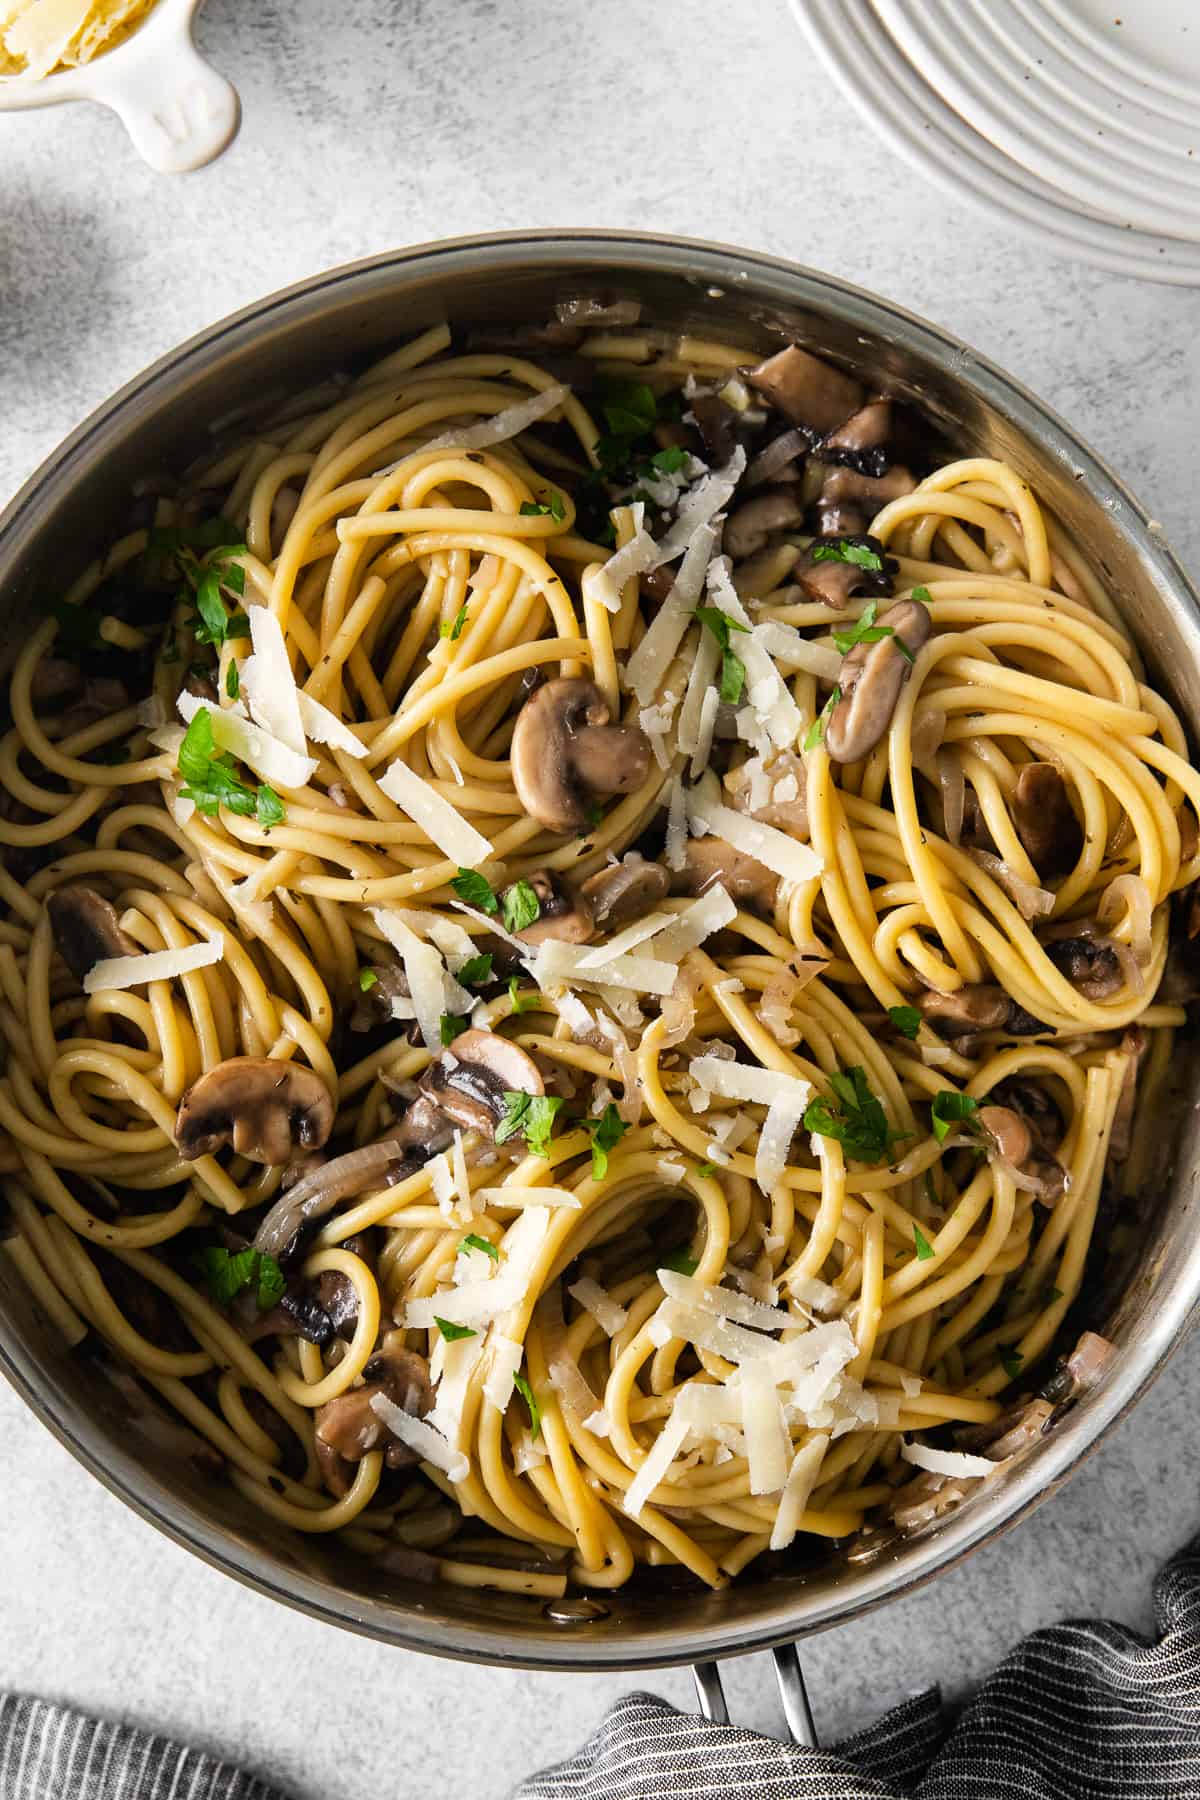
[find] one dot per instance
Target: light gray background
(372, 123)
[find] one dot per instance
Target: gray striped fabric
(1082, 1711)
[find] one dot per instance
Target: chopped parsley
(450, 1026)
(210, 782)
(861, 555)
(930, 1190)
(520, 906)
(924, 1247)
(228, 1272)
(454, 629)
(233, 681)
(452, 1332)
(680, 1262)
(629, 408)
(475, 1242)
(855, 1119)
(906, 1019)
(476, 890)
(866, 631)
(532, 1115)
(1053, 1294)
(816, 730)
(367, 979)
(535, 1412)
(607, 1132)
(671, 460)
(520, 1002)
(733, 669)
(1010, 1362)
(950, 1109)
(706, 1168)
(921, 594)
(554, 508)
(475, 970)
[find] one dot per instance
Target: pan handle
(790, 1676)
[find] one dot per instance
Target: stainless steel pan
(64, 511)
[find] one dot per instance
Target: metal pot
(163, 417)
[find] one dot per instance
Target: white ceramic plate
(179, 112)
(1076, 103)
(849, 39)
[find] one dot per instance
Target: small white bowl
(179, 112)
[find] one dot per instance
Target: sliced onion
(318, 1193)
(678, 1009)
(775, 1008)
(778, 454)
(1129, 896)
(1030, 901)
(928, 730)
(954, 793)
(1131, 968)
(567, 1380)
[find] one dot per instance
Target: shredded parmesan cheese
(654, 1470)
(156, 965)
(421, 1436)
(594, 1299)
(508, 423)
(782, 854)
(324, 727)
(947, 1462)
(270, 758)
(454, 836)
(797, 1491)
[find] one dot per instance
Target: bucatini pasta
(582, 938)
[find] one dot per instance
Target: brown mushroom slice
(565, 752)
(562, 915)
(1045, 820)
(710, 860)
(1089, 962)
(55, 680)
(870, 680)
(748, 529)
(348, 1427)
(849, 501)
(86, 928)
(835, 581)
(1035, 1106)
(976, 1006)
(624, 892)
(858, 443)
(1134, 1043)
(468, 1081)
(717, 425)
(809, 391)
(1008, 1133)
(264, 1108)
(776, 457)
(373, 1004)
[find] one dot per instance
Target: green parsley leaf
(921, 594)
(516, 1106)
(552, 508)
(214, 621)
(1010, 1362)
(451, 1332)
(233, 681)
(475, 1242)
(861, 555)
(475, 890)
(706, 1168)
(930, 1190)
(950, 1109)
(733, 679)
(520, 906)
(367, 979)
(530, 1114)
(520, 1002)
(607, 1132)
(670, 460)
(719, 623)
(454, 629)
(269, 808)
(816, 730)
(227, 1273)
(629, 408)
(451, 1025)
(1054, 1294)
(535, 1412)
(925, 1251)
(475, 970)
(238, 626)
(856, 1119)
(680, 1262)
(906, 1019)
(197, 749)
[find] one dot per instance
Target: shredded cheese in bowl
(44, 37)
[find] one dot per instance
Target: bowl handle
(792, 1692)
(179, 112)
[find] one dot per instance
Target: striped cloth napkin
(1080, 1711)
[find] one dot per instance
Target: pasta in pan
(583, 946)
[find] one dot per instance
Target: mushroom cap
(264, 1108)
(623, 892)
(564, 751)
(1036, 1107)
(871, 677)
(976, 1006)
(564, 915)
(810, 391)
(348, 1426)
(86, 928)
(834, 582)
(1045, 820)
(468, 1081)
(1008, 1131)
(748, 529)
(709, 860)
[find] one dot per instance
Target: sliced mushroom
(1045, 820)
(373, 1004)
(1089, 962)
(86, 928)
(748, 529)
(710, 860)
(348, 1427)
(858, 444)
(264, 1108)
(809, 391)
(381, 1164)
(776, 457)
(624, 892)
(657, 583)
(1008, 1133)
(562, 914)
(786, 805)
(833, 580)
(1030, 1099)
(977, 1006)
(55, 680)
(1134, 1043)
(717, 424)
(565, 751)
(849, 501)
(466, 1086)
(1012, 1431)
(870, 679)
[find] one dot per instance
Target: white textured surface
(381, 122)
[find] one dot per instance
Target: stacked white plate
(1078, 120)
